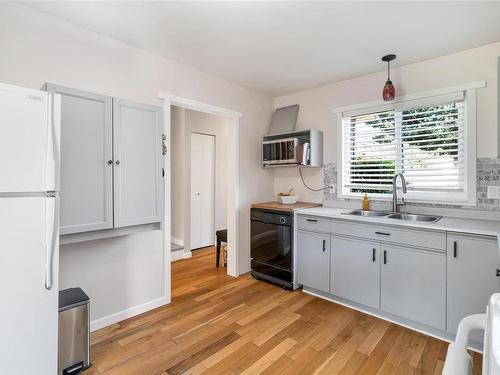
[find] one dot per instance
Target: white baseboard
(177, 241)
(177, 255)
(180, 254)
(127, 313)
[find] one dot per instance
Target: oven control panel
(272, 217)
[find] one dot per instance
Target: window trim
(470, 107)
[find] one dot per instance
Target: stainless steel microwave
(283, 151)
(300, 148)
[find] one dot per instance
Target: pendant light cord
(302, 178)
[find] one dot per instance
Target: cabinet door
(472, 263)
(355, 270)
(86, 154)
(138, 163)
(413, 284)
(313, 260)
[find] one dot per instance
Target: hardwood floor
(220, 325)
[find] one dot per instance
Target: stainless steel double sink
(395, 215)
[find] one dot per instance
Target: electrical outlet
(493, 192)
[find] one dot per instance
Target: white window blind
(425, 141)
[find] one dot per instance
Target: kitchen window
(431, 140)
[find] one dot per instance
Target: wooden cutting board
(277, 206)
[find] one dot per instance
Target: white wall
(38, 48)
(178, 173)
(316, 104)
(184, 122)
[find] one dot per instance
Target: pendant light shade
(389, 92)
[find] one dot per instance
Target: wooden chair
(221, 237)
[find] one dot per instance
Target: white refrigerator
(29, 230)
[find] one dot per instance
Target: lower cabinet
(413, 284)
(355, 270)
(430, 285)
(313, 260)
(472, 265)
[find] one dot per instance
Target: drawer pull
(383, 233)
(455, 249)
(373, 255)
(312, 220)
(324, 245)
(385, 257)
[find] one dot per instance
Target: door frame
(212, 213)
(233, 204)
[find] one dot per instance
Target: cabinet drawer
(314, 224)
(411, 237)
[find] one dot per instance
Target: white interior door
(28, 310)
(202, 190)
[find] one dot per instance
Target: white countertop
(450, 224)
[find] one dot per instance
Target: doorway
(202, 190)
(232, 181)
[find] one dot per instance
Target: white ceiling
(282, 47)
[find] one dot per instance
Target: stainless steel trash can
(74, 331)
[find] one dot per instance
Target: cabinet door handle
(383, 233)
(498, 272)
(454, 249)
(373, 254)
(385, 257)
(117, 162)
(110, 162)
(324, 245)
(312, 220)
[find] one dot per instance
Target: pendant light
(389, 91)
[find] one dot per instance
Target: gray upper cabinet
(355, 270)
(313, 260)
(472, 263)
(413, 284)
(86, 147)
(111, 162)
(138, 163)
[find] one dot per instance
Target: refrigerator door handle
(50, 240)
(53, 142)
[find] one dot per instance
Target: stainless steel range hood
(284, 120)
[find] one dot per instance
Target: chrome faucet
(395, 191)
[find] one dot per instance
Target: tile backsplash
(487, 174)
(329, 178)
